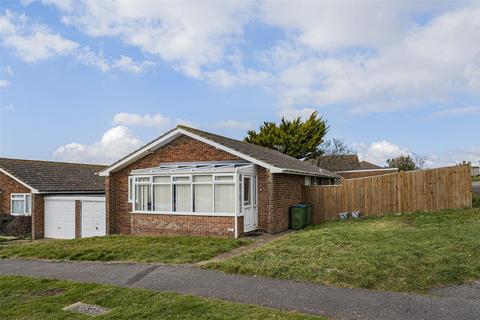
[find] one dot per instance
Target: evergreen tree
(297, 138)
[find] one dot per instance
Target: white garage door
(59, 218)
(93, 218)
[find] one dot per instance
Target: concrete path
(259, 240)
(336, 303)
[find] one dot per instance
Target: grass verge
(411, 252)
(42, 299)
(165, 249)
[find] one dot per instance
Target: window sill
(21, 214)
(186, 213)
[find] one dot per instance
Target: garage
(59, 218)
(63, 212)
(93, 218)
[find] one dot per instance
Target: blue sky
(90, 81)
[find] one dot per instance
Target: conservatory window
(200, 193)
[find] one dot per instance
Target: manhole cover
(88, 309)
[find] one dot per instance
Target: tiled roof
(337, 162)
(49, 176)
(365, 165)
(269, 156)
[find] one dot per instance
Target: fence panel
(432, 189)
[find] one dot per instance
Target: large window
(21, 204)
(199, 193)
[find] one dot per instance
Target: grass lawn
(32, 298)
(411, 252)
(165, 249)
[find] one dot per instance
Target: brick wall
(286, 190)
(38, 216)
(78, 219)
(7, 187)
(263, 198)
(182, 149)
(154, 224)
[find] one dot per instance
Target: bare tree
(335, 147)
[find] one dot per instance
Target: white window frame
(133, 183)
(26, 212)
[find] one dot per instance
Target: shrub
(5, 219)
(20, 226)
(475, 200)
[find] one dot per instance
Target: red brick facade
(38, 216)
(182, 149)
(276, 192)
(78, 219)
(154, 224)
(7, 187)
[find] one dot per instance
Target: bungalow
(64, 200)
(189, 181)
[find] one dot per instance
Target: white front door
(59, 218)
(249, 202)
(93, 219)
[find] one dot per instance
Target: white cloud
(4, 83)
(235, 124)
(32, 41)
(133, 119)
(127, 64)
(374, 59)
(191, 36)
(114, 144)
(98, 60)
(378, 152)
(460, 111)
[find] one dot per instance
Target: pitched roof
(342, 162)
(50, 176)
(261, 155)
(365, 165)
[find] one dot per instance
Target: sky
(90, 81)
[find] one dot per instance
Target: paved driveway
(332, 302)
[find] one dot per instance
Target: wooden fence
(432, 189)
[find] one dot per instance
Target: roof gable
(272, 160)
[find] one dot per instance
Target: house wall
(182, 149)
(7, 187)
(38, 216)
(285, 190)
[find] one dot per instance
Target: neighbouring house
(192, 182)
(475, 170)
(64, 200)
(349, 167)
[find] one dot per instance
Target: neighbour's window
(21, 204)
(184, 193)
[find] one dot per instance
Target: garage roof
(50, 176)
